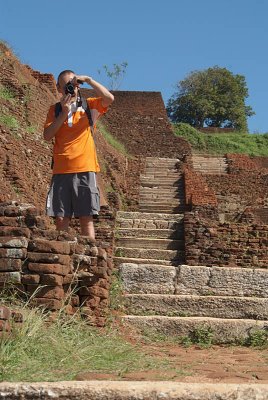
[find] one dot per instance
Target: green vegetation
(222, 143)
(112, 140)
(6, 93)
(38, 351)
(116, 292)
(212, 97)
(258, 338)
(9, 121)
(115, 75)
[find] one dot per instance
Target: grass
(236, 142)
(38, 351)
(6, 93)
(112, 140)
(9, 121)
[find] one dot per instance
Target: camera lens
(69, 88)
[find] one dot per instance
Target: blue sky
(162, 41)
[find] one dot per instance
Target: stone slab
(222, 281)
(154, 278)
(131, 390)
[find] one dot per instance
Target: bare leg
(62, 223)
(87, 227)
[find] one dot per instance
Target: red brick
(51, 279)
(13, 231)
(10, 264)
(49, 258)
(70, 278)
(29, 279)
(94, 291)
(49, 292)
(9, 221)
(51, 304)
(4, 312)
(10, 277)
(4, 325)
(49, 246)
(11, 241)
(13, 253)
(49, 268)
(101, 272)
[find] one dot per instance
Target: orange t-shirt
(74, 149)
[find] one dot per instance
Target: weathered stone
(5, 326)
(14, 231)
(49, 268)
(10, 264)
(223, 330)
(51, 279)
(4, 312)
(29, 279)
(48, 258)
(17, 242)
(49, 246)
(222, 281)
(132, 390)
(13, 253)
(81, 261)
(49, 292)
(51, 304)
(143, 278)
(10, 277)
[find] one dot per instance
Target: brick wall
(139, 121)
(208, 242)
(56, 270)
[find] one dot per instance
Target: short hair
(66, 71)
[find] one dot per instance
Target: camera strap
(58, 110)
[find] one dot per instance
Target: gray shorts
(73, 195)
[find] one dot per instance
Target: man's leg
(87, 227)
(62, 223)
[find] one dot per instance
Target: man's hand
(82, 78)
(66, 104)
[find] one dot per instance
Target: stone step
(167, 192)
(147, 224)
(197, 306)
(198, 280)
(152, 183)
(161, 175)
(163, 159)
(150, 254)
(161, 202)
(162, 209)
(161, 197)
(149, 216)
(150, 233)
(150, 243)
(223, 331)
(128, 260)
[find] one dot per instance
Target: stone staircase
(210, 165)
(164, 296)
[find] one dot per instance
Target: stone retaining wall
(55, 270)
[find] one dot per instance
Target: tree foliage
(115, 74)
(212, 97)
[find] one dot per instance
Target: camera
(69, 88)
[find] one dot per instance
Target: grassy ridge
(245, 143)
(38, 351)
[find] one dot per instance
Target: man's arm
(52, 129)
(101, 91)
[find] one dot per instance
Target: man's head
(64, 78)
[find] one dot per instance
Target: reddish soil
(213, 365)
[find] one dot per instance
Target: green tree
(115, 75)
(212, 97)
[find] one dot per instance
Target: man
(73, 190)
